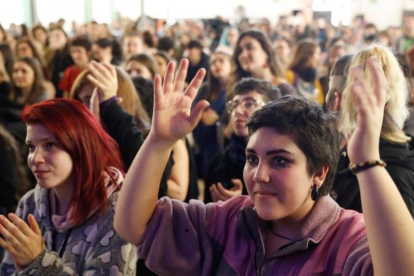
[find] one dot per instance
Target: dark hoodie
(400, 165)
(227, 165)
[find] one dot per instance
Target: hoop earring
(315, 192)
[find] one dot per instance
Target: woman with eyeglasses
(288, 225)
(224, 177)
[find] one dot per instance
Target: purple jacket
(224, 239)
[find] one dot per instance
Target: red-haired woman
(65, 224)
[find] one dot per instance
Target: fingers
(101, 71)
(197, 112)
(360, 88)
(238, 185)
(11, 232)
(181, 74)
(195, 84)
(167, 85)
(157, 89)
(34, 225)
(20, 224)
(94, 102)
(215, 194)
(378, 78)
(224, 192)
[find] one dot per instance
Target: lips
(265, 194)
(40, 173)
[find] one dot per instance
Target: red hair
(92, 150)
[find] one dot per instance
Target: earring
(315, 192)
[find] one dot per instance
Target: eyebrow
(248, 98)
(271, 152)
(44, 139)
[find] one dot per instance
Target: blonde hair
(396, 110)
(126, 90)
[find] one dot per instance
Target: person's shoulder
(231, 206)
(352, 220)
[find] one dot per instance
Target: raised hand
(104, 77)
(370, 99)
(24, 243)
(173, 117)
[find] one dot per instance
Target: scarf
(65, 222)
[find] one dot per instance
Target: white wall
(383, 13)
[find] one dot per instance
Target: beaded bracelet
(366, 165)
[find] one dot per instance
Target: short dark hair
(246, 85)
(165, 44)
(81, 41)
(314, 131)
(194, 44)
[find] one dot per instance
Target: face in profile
(57, 39)
(103, 55)
(23, 75)
(162, 64)
(50, 163)
(276, 176)
(85, 94)
(252, 57)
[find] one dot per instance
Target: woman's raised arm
(388, 222)
(172, 120)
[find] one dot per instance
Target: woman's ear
(337, 101)
(320, 175)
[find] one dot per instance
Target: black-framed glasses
(247, 104)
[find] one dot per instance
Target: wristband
(366, 165)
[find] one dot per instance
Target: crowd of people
(207, 148)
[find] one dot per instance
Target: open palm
(370, 98)
(173, 117)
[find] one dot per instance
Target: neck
(291, 225)
(64, 194)
(223, 81)
(26, 90)
(264, 74)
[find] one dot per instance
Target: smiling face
(277, 177)
(252, 57)
(49, 162)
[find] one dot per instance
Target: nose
(36, 157)
(243, 53)
(261, 175)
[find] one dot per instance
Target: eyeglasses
(247, 104)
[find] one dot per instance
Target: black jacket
(400, 165)
(227, 165)
(122, 127)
